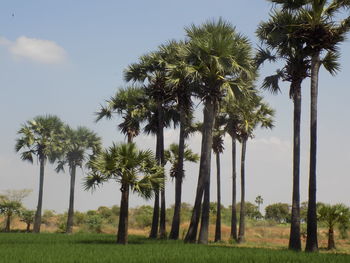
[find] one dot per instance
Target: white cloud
(38, 50)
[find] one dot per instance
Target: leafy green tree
(333, 215)
(41, 137)
(254, 112)
(27, 216)
(217, 57)
(172, 156)
(279, 212)
(321, 32)
(81, 144)
(11, 205)
(134, 169)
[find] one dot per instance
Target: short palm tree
(41, 137)
(217, 57)
(254, 112)
(128, 103)
(134, 169)
(320, 32)
(172, 156)
(333, 215)
(9, 208)
(81, 144)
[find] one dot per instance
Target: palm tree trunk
(205, 159)
(8, 223)
(37, 219)
(294, 238)
(205, 164)
(162, 221)
(234, 173)
(155, 217)
(331, 243)
(122, 237)
(175, 226)
(70, 217)
(28, 227)
(218, 207)
(311, 239)
(241, 237)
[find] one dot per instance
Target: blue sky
(67, 57)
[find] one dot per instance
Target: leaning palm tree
(217, 56)
(254, 112)
(128, 103)
(321, 32)
(81, 145)
(172, 156)
(41, 137)
(134, 169)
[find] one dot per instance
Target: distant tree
(11, 204)
(41, 137)
(80, 145)
(333, 215)
(27, 216)
(134, 169)
(279, 212)
(259, 201)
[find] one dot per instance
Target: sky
(67, 57)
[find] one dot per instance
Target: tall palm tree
(321, 32)
(172, 156)
(81, 144)
(231, 110)
(128, 103)
(217, 55)
(218, 148)
(254, 112)
(41, 137)
(151, 70)
(134, 169)
(275, 37)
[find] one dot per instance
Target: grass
(51, 248)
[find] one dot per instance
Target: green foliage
(143, 216)
(335, 215)
(47, 217)
(94, 223)
(279, 212)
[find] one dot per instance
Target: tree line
(217, 67)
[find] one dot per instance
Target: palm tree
(259, 201)
(321, 32)
(79, 143)
(333, 215)
(231, 110)
(134, 169)
(218, 148)
(275, 36)
(9, 208)
(128, 103)
(254, 112)
(172, 156)
(41, 137)
(151, 69)
(217, 55)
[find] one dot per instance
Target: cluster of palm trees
(214, 65)
(48, 139)
(213, 68)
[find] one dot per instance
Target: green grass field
(47, 248)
